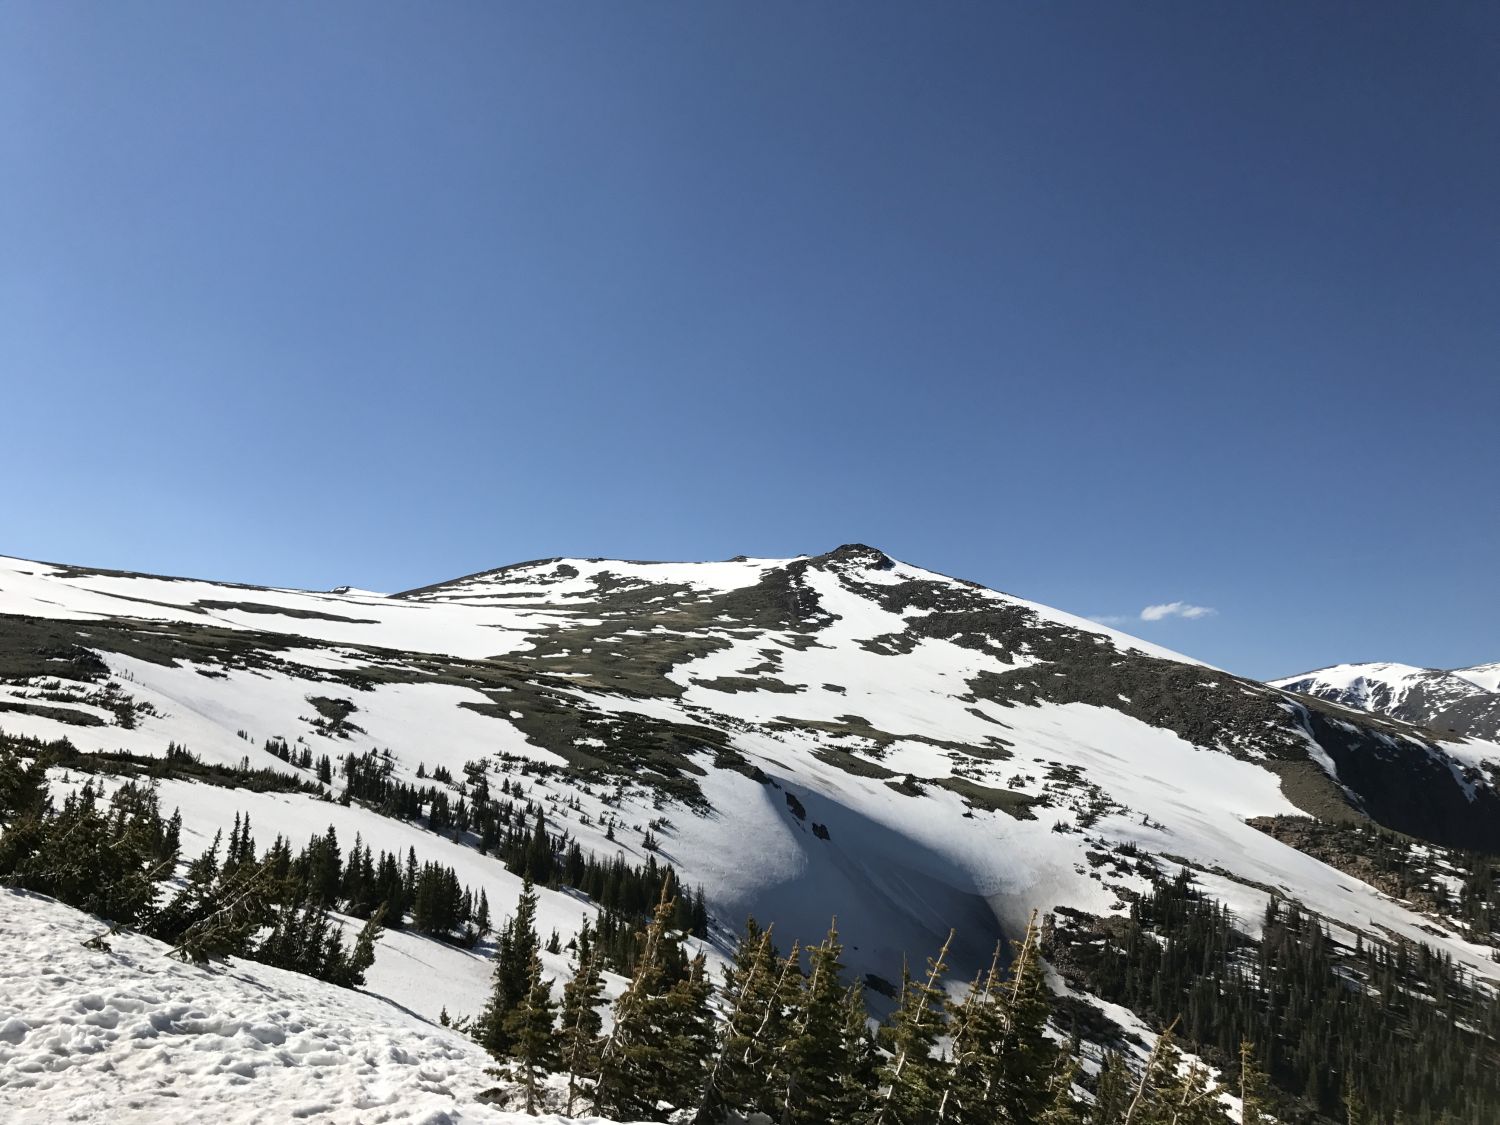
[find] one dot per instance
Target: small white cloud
(1176, 609)
(1112, 619)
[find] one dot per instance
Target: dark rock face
(1403, 783)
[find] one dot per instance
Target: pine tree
(482, 914)
(1139, 1108)
(686, 1020)
(1183, 1096)
(581, 1022)
(529, 1029)
(514, 951)
(1062, 1107)
(977, 1027)
(820, 1052)
(737, 1074)
(223, 919)
(1112, 1091)
(1002, 1061)
(862, 1060)
(1026, 1055)
(1252, 1088)
(632, 1063)
(912, 1079)
(539, 861)
(363, 954)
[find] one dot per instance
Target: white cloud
(1176, 609)
(1156, 613)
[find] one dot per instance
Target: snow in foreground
(132, 1035)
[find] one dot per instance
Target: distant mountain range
(1463, 702)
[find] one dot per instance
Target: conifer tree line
(1376, 1033)
(1422, 874)
(505, 823)
(786, 1036)
(112, 857)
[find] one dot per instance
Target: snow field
(131, 1035)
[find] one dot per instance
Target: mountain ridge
(1461, 701)
(922, 719)
(839, 734)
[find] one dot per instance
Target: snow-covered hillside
(1486, 676)
(842, 734)
(131, 1035)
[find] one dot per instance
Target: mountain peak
(858, 554)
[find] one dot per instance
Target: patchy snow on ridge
(580, 579)
(46, 590)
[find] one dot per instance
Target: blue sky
(1111, 306)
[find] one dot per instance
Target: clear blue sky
(1108, 305)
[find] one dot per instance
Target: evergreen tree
(363, 954)
(633, 1068)
(581, 1022)
(518, 944)
(1182, 1096)
(1062, 1107)
(1252, 1088)
(821, 1052)
(539, 860)
(686, 1023)
(482, 914)
(977, 1028)
(222, 919)
(1026, 1056)
(737, 1075)
(530, 1032)
(912, 1079)
(1112, 1091)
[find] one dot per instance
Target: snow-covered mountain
(842, 734)
(1463, 702)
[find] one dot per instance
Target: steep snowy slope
(1464, 702)
(839, 734)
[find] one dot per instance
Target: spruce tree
(632, 1063)
(1026, 1056)
(1183, 1096)
(821, 1054)
(363, 954)
(1252, 1089)
(737, 1075)
(912, 1079)
(514, 951)
(581, 1023)
(530, 1031)
(1062, 1107)
(539, 862)
(976, 1025)
(686, 1020)
(226, 918)
(1112, 1091)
